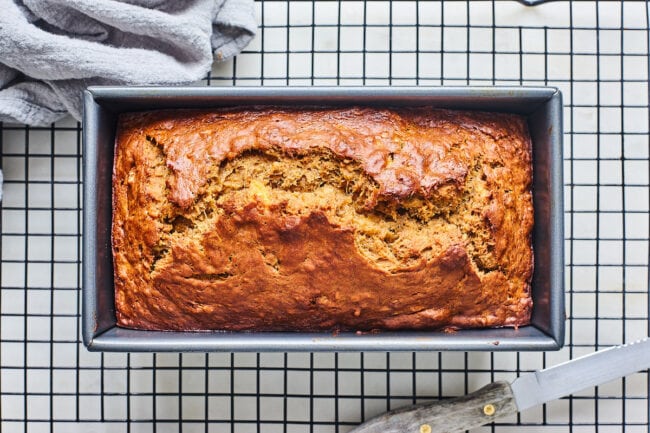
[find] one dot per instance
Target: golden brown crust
(397, 219)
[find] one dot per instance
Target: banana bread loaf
(272, 218)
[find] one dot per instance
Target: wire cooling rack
(597, 54)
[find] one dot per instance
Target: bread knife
(500, 399)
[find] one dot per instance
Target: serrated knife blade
(594, 369)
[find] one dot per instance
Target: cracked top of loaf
(272, 218)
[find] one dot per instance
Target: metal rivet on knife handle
(425, 428)
(489, 409)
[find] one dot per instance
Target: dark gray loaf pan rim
(541, 105)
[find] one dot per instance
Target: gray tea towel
(50, 50)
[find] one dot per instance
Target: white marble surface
(598, 58)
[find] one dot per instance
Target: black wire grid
(597, 54)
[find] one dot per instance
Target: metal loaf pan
(541, 105)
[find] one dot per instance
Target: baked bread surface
(271, 218)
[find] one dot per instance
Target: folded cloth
(51, 50)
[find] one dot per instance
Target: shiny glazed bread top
(321, 219)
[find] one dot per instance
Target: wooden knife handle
(456, 415)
